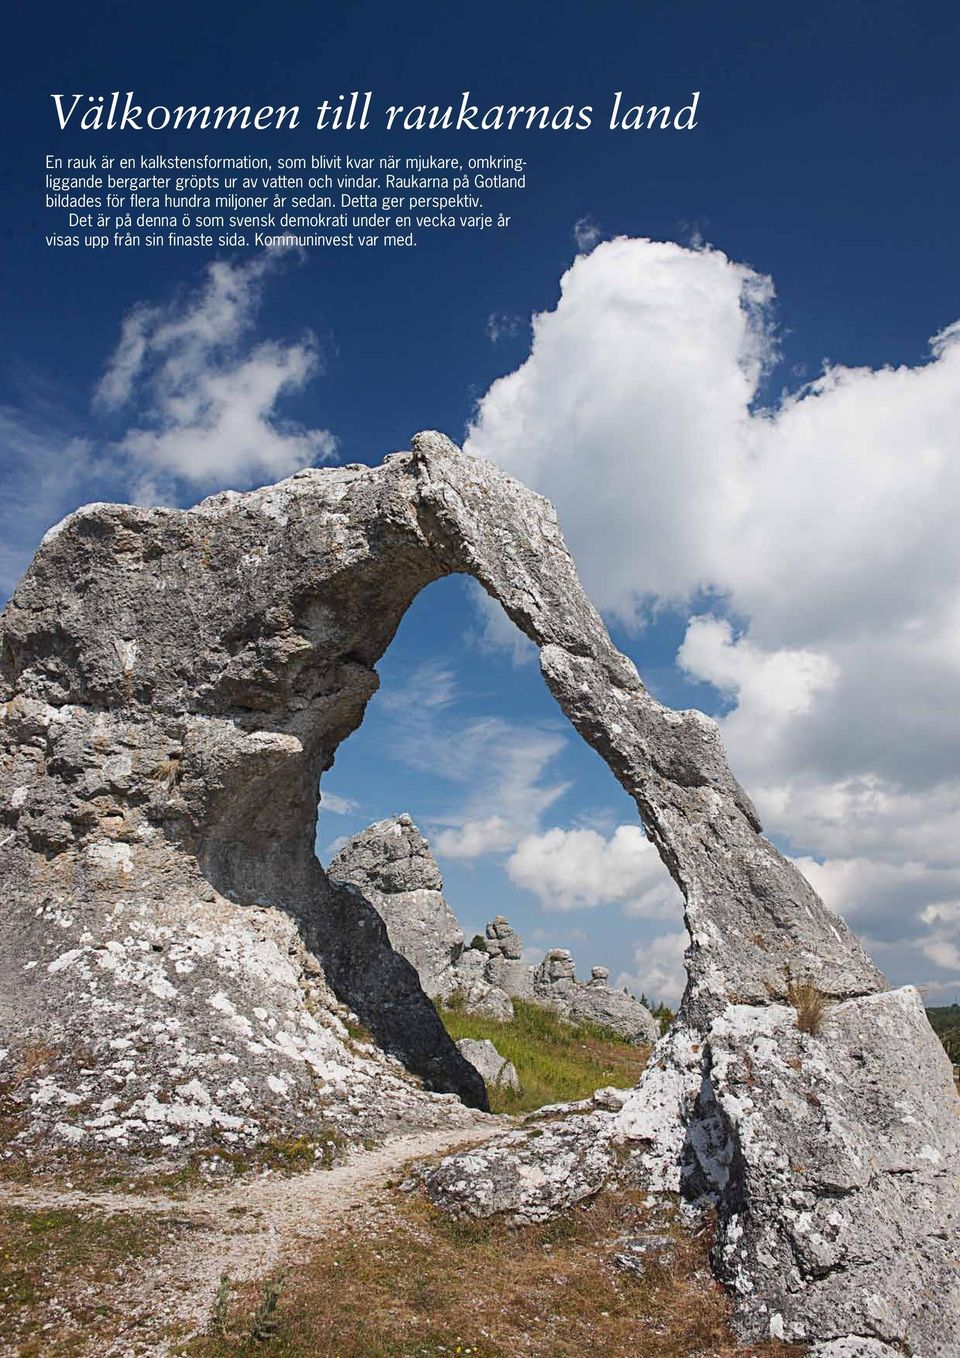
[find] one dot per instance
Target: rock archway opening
(462, 800)
(520, 815)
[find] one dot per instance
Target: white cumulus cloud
(658, 970)
(205, 395)
(567, 869)
(821, 529)
(337, 805)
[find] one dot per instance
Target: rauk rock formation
(504, 963)
(174, 683)
(555, 984)
(484, 1057)
(391, 866)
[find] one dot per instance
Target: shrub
(265, 1323)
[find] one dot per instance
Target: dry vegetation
(381, 1275)
(811, 1005)
(408, 1282)
(151, 1172)
(63, 1275)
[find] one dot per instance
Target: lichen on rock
(496, 1070)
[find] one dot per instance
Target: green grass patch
(555, 1061)
(286, 1154)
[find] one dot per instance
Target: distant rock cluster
(593, 1001)
(391, 866)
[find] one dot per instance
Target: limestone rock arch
(174, 684)
(254, 623)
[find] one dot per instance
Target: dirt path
(244, 1231)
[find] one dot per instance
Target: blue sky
(792, 545)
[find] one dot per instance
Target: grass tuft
(265, 1325)
(61, 1270)
(811, 1004)
(359, 1032)
(219, 1311)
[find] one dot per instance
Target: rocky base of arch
(831, 1159)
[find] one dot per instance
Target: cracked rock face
(503, 960)
(391, 865)
(503, 940)
(836, 1172)
(172, 686)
